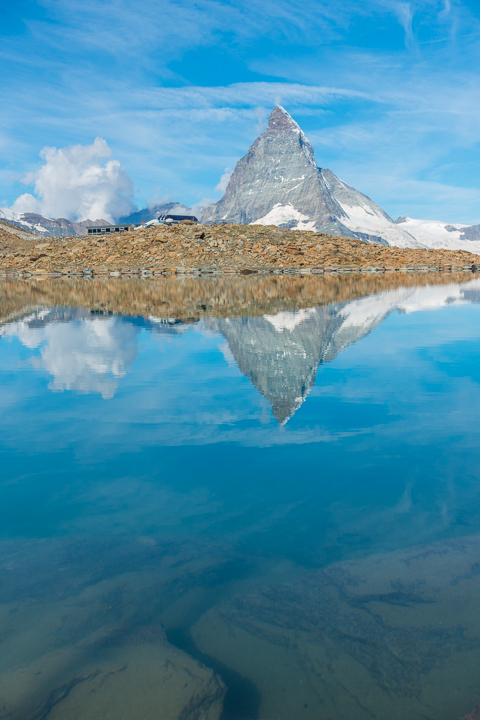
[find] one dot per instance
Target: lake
(249, 498)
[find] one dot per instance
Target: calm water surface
(266, 512)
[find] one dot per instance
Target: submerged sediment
(96, 647)
(391, 635)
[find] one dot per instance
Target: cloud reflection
(87, 355)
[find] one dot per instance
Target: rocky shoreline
(188, 249)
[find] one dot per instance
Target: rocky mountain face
(278, 180)
(278, 183)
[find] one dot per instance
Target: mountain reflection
(89, 352)
(281, 353)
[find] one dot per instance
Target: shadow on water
(242, 699)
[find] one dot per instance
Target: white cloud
(79, 182)
(157, 199)
(199, 208)
(26, 203)
(222, 185)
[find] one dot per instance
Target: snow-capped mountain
(279, 183)
(40, 225)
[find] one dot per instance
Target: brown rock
(474, 715)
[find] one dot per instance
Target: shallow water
(239, 499)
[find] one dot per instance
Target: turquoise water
(267, 516)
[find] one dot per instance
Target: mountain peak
(278, 182)
(280, 120)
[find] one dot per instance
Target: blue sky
(387, 92)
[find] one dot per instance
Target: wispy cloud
(404, 12)
(222, 185)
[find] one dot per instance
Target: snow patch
(285, 214)
(289, 320)
(9, 215)
(410, 233)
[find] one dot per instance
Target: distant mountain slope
(8, 229)
(151, 213)
(436, 234)
(39, 225)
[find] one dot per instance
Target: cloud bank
(79, 182)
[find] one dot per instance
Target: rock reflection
(281, 353)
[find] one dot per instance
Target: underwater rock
(82, 634)
(395, 635)
(474, 715)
